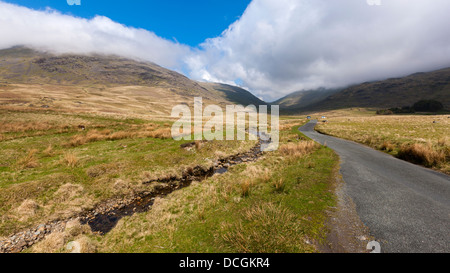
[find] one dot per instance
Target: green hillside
(395, 92)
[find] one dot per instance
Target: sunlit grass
(421, 139)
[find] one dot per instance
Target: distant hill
(395, 92)
(302, 99)
(233, 93)
(24, 65)
(102, 83)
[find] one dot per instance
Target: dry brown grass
(27, 209)
(58, 241)
(75, 228)
(101, 135)
(48, 151)
(279, 185)
(96, 135)
(163, 133)
(387, 146)
(67, 192)
(298, 149)
(52, 243)
(444, 142)
(77, 140)
(245, 187)
(198, 144)
(422, 154)
(86, 245)
(121, 135)
(23, 126)
(28, 161)
(70, 159)
(419, 139)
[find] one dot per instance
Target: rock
(362, 238)
(20, 245)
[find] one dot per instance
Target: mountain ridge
(389, 93)
(27, 76)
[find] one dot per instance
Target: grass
(277, 204)
(299, 149)
(274, 205)
(111, 157)
(420, 139)
(70, 159)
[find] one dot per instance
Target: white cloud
(51, 30)
(276, 47)
(280, 46)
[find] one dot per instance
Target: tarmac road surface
(405, 206)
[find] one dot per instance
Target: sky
(188, 22)
(270, 47)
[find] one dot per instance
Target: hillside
(302, 99)
(233, 93)
(98, 83)
(395, 92)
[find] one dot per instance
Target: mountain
(390, 93)
(234, 94)
(301, 99)
(110, 84)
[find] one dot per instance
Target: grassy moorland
(277, 204)
(421, 139)
(54, 165)
(57, 164)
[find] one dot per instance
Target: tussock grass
(70, 159)
(279, 185)
(245, 187)
(23, 126)
(422, 154)
(96, 135)
(58, 242)
(28, 161)
(162, 133)
(298, 149)
(387, 146)
(67, 192)
(117, 155)
(54, 242)
(274, 205)
(273, 228)
(74, 228)
(419, 139)
(48, 152)
(28, 208)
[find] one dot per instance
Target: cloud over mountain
(281, 46)
(276, 47)
(51, 30)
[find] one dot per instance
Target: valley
(87, 156)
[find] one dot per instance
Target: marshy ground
(56, 166)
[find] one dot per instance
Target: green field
(421, 139)
(53, 169)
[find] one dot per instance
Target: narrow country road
(405, 206)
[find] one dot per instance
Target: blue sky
(272, 49)
(188, 21)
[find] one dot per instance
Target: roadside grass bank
(420, 139)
